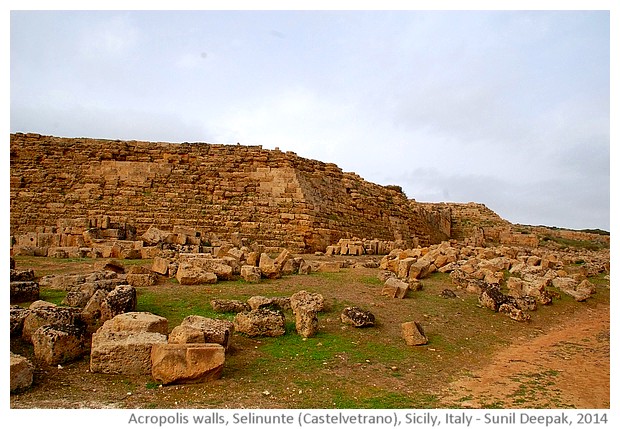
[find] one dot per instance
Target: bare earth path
(565, 367)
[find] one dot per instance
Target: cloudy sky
(506, 108)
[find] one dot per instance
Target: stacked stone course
(271, 197)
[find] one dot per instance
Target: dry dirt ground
(568, 365)
(475, 358)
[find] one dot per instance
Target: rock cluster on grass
(528, 274)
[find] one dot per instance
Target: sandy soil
(567, 366)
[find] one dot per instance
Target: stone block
(395, 288)
(48, 315)
(57, 344)
(160, 266)
(413, 334)
(123, 352)
(250, 273)
(188, 274)
(22, 373)
(261, 322)
(186, 363)
(199, 329)
(136, 322)
(357, 317)
(122, 299)
(24, 291)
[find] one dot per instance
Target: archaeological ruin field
(159, 275)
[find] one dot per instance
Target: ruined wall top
(269, 196)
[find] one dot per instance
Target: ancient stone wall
(270, 197)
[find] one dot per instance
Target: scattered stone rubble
(510, 280)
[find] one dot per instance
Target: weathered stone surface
(160, 265)
(492, 298)
(419, 269)
(276, 302)
(261, 322)
(250, 273)
(357, 317)
(22, 372)
(137, 321)
(122, 299)
(154, 236)
(514, 313)
(212, 331)
(581, 291)
(306, 322)
(123, 352)
(447, 293)
(329, 267)
(22, 275)
(413, 334)
(110, 265)
(48, 315)
(268, 267)
(395, 288)
(306, 306)
(91, 313)
(56, 344)
(141, 280)
(188, 274)
(24, 291)
(230, 306)
(187, 363)
(18, 315)
(307, 301)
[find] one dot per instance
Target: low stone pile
(529, 275)
(226, 263)
(357, 247)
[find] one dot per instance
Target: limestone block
(22, 372)
(307, 301)
(413, 334)
(261, 322)
(213, 331)
(514, 313)
(268, 267)
(187, 363)
(403, 267)
(18, 315)
(155, 236)
(395, 288)
(160, 266)
(229, 306)
(123, 352)
(136, 322)
(250, 273)
(278, 302)
(306, 321)
(48, 315)
(329, 267)
(141, 280)
(188, 274)
(419, 269)
(24, 291)
(56, 344)
(22, 275)
(357, 317)
(122, 299)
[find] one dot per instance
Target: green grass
(342, 366)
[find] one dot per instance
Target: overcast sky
(505, 108)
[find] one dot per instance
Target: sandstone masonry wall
(270, 197)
